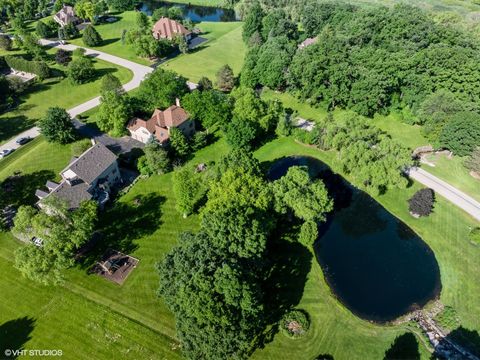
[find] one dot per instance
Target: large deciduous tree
(161, 88)
(57, 126)
(113, 113)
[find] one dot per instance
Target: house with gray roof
(91, 176)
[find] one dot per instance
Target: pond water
(374, 263)
(193, 12)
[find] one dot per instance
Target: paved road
(446, 190)
(139, 73)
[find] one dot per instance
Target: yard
(145, 224)
(56, 91)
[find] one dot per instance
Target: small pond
(374, 263)
(193, 12)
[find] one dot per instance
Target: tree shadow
(289, 264)
(122, 224)
(404, 347)
(13, 125)
(15, 333)
(110, 41)
(324, 357)
(19, 189)
(467, 339)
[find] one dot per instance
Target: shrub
(63, 57)
(308, 233)
(295, 324)
(475, 235)
(421, 203)
(79, 52)
(17, 85)
(5, 42)
(91, 37)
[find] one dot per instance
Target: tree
(204, 84)
(161, 88)
(307, 198)
(473, 161)
(155, 160)
(113, 113)
(199, 140)
(209, 107)
(86, 9)
(179, 142)
(111, 83)
(91, 37)
(81, 70)
(175, 12)
(462, 133)
(253, 22)
(143, 22)
(5, 93)
(421, 203)
(160, 12)
(182, 44)
(63, 57)
(240, 133)
(62, 233)
(31, 46)
(225, 78)
(5, 42)
(121, 5)
(185, 189)
(57, 126)
(71, 31)
(43, 30)
(308, 233)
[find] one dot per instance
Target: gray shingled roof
(73, 193)
(92, 163)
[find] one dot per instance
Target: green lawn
(145, 224)
(56, 91)
(225, 46)
(454, 172)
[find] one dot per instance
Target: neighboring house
(166, 28)
(91, 176)
(307, 42)
(66, 16)
(159, 125)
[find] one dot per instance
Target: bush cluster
(295, 324)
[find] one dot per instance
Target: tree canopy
(161, 88)
(57, 126)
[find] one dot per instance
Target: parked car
(23, 140)
(5, 152)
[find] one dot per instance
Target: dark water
(374, 263)
(193, 12)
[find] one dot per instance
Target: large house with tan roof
(159, 125)
(91, 176)
(66, 16)
(166, 28)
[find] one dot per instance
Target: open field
(56, 91)
(225, 46)
(145, 224)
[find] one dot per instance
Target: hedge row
(39, 68)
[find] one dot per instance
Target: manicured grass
(56, 91)
(225, 46)
(454, 172)
(112, 37)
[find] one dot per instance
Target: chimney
(177, 102)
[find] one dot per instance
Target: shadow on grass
(122, 224)
(13, 125)
(404, 347)
(14, 334)
(109, 41)
(467, 339)
(20, 189)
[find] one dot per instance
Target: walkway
(446, 190)
(139, 73)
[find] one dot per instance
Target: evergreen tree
(91, 37)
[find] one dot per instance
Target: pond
(374, 263)
(193, 12)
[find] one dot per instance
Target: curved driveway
(139, 73)
(446, 190)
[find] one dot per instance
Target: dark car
(23, 140)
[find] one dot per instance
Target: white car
(5, 152)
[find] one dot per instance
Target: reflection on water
(193, 12)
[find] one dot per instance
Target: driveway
(446, 190)
(139, 73)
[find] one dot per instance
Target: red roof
(166, 28)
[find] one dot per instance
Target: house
(91, 176)
(159, 125)
(166, 28)
(66, 16)
(307, 42)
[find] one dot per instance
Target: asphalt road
(139, 73)
(446, 190)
